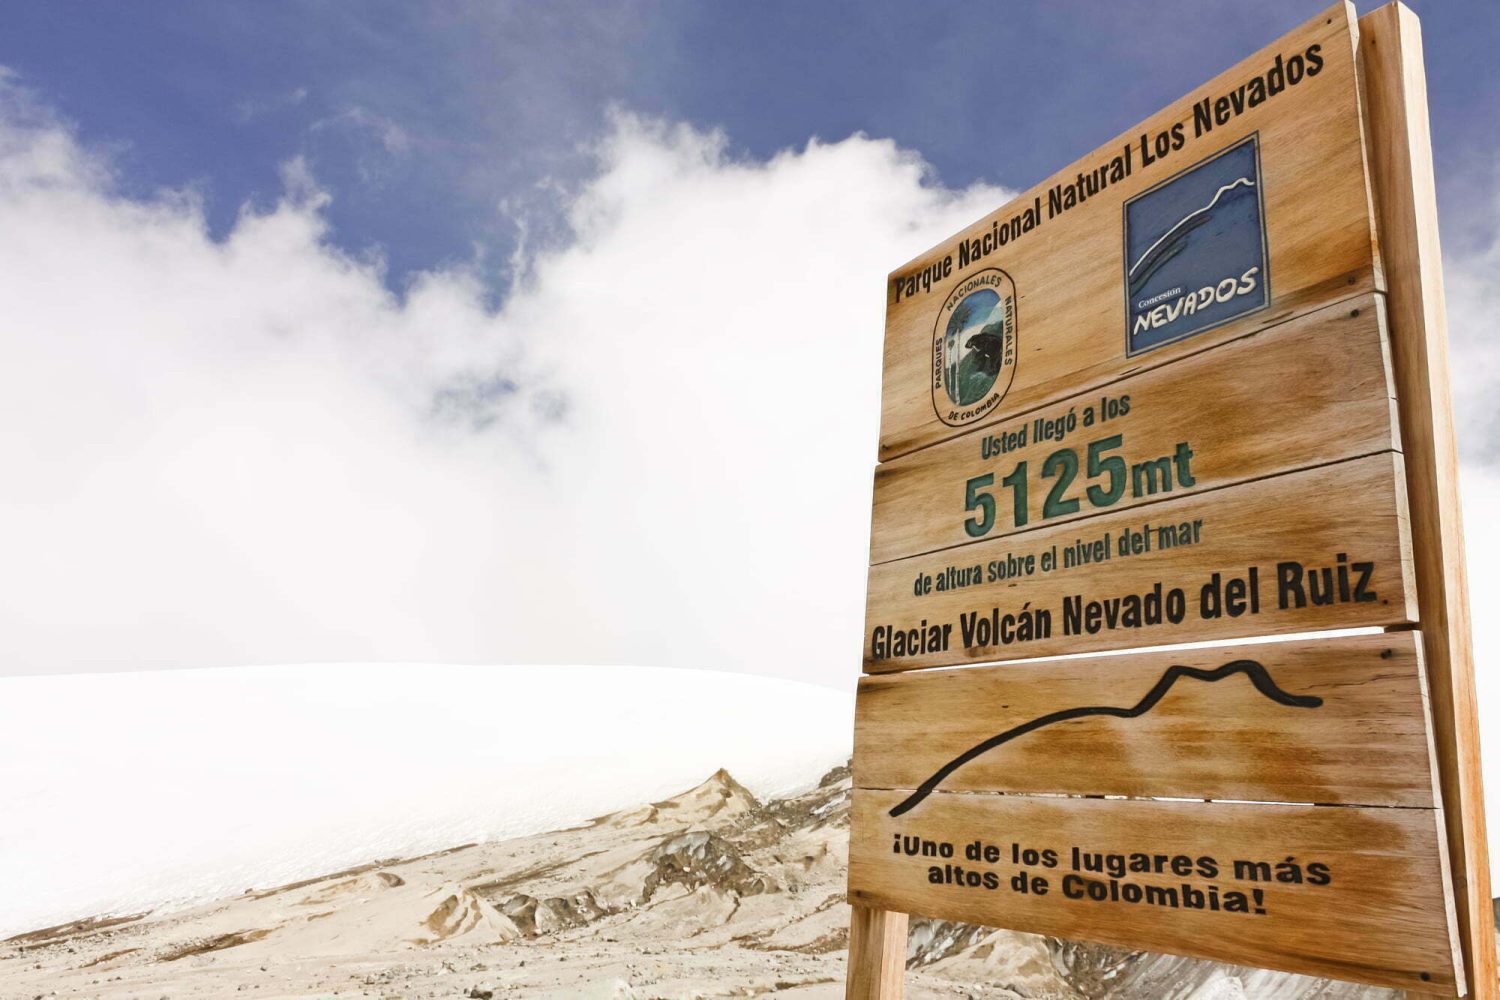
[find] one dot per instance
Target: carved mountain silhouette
(1253, 669)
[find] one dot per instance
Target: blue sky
(436, 127)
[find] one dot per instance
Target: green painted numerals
(1063, 467)
(1113, 465)
(1109, 479)
(976, 499)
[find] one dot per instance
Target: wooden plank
(1314, 390)
(1378, 915)
(1290, 527)
(1063, 280)
(877, 954)
(1406, 204)
(1322, 721)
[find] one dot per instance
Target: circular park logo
(974, 347)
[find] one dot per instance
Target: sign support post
(1400, 145)
(877, 954)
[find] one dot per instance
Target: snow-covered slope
(712, 892)
(124, 792)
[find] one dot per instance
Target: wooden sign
(1344, 892)
(1330, 720)
(1323, 548)
(1249, 414)
(1080, 280)
(1190, 389)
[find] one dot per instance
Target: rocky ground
(709, 894)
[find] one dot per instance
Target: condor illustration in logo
(1195, 250)
(974, 347)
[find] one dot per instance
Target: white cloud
(1473, 287)
(392, 137)
(381, 760)
(657, 451)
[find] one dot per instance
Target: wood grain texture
(1068, 271)
(1379, 919)
(877, 954)
(1401, 163)
(1367, 743)
(1357, 508)
(1316, 389)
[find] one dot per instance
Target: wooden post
(1400, 149)
(877, 954)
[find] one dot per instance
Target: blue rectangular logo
(1195, 250)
